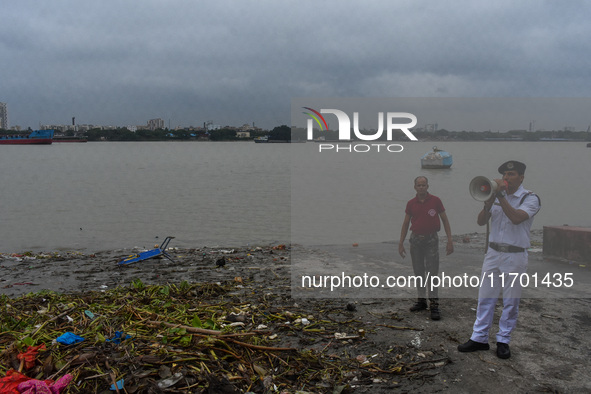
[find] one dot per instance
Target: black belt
(506, 248)
(426, 236)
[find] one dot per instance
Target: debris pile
(244, 334)
(188, 337)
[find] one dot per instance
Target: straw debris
(234, 336)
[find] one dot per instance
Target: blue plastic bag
(69, 338)
(118, 337)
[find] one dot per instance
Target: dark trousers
(424, 252)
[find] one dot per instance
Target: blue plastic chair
(160, 251)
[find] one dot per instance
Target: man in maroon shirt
(423, 213)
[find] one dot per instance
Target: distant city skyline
(551, 112)
(457, 114)
(150, 124)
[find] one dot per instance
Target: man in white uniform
(512, 212)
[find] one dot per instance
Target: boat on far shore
(323, 139)
(266, 140)
(261, 140)
(69, 138)
(37, 137)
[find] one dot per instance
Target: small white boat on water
(437, 158)
(261, 140)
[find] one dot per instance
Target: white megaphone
(482, 188)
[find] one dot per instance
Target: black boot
(420, 305)
(434, 306)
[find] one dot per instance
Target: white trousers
(495, 278)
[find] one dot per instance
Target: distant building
(3, 116)
(60, 128)
(63, 128)
(430, 128)
(248, 127)
(155, 124)
(209, 126)
(243, 134)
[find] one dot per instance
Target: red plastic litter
(30, 355)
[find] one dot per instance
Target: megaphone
(482, 188)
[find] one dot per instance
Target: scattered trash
(344, 335)
(169, 382)
(118, 337)
(238, 334)
(28, 358)
(34, 386)
(149, 254)
(361, 358)
(416, 341)
(118, 385)
(236, 317)
(69, 338)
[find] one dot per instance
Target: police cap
(512, 165)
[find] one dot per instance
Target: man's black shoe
(503, 350)
(435, 314)
(472, 346)
(419, 306)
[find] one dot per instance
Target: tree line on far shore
(285, 133)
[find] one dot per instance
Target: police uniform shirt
(503, 231)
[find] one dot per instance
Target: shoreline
(75, 271)
(473, 238)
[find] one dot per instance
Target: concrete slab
(569, 242)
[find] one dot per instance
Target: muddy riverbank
(377, 343)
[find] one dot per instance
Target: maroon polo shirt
(424, 216)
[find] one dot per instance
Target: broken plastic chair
(160, 251)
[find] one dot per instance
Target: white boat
(260, 140)
(437, 158)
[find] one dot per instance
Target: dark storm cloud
(235, 62)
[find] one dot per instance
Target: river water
(108, 195)
(343, 198)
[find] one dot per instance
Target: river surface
(108, 195)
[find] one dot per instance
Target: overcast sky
(235, 61)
